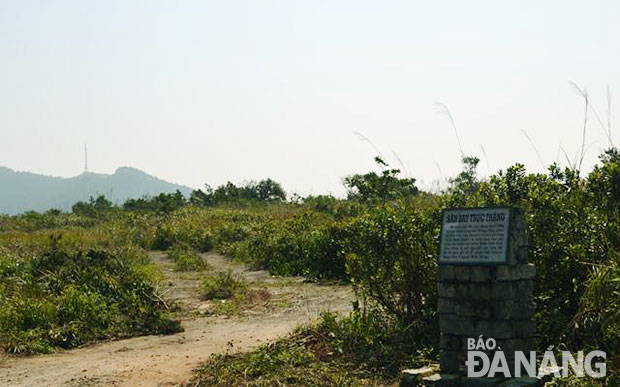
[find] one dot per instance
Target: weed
(223, 285)
(64, 297)
(186, 259)
(351, 351)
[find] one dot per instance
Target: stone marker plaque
(474, 236)
(485, 289)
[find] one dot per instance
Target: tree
(372, 186)
(162, 202)
(466, 182)
(93, 207)
(269, 190)
(202, 198)
(265, 190)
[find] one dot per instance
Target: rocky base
(430, 376)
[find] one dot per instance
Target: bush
(188, 225)
(186, 259)
(392, 262)
(384, 242)
(161, 203)
(371, 187)
(222, 286)
(252, 192)
(309, 244)
(64, 298)
(356, 350)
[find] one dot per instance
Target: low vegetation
(65, 296)
(186, 259)
(355, 350)
(223, 286)
(383, 240)
(231, 294)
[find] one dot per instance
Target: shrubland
(382, 239)
(57, 293)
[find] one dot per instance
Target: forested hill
(25, 191)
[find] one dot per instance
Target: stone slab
(521, 382)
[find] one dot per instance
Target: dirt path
(169, 360)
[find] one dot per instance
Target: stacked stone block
(494, 301)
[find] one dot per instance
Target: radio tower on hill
(85, 159)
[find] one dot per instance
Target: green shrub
(64, 298)
(308, 244)
(187, 225)
(222, 286)
(186, 259)
(230, 236)
(355, 350)
(372, 187)
(384, 242)
(392, 261)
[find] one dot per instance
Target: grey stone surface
(515, 272)
(431, 380)
(525, 286)
(478, 291)
(450, 342)
(456, 325)
(446, 305)
(518, 238)
(447, 380)
(514, 309)
(415, 377)
(527, 271)
(524, 328)
(504, 273)
(481, 273)
(521, 382)
(493, 301)
(449, 361)
(496, 329)
(504, 290)
(447, 290)
(462, 273)
(445, 273)
(481, 382)
(471, 308)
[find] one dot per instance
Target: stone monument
(485, 288)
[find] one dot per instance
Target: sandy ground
(169, 360)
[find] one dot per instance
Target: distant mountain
(25, 191)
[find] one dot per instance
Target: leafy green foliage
(262, 191)
(306, 244)
(356, 350)
(392, 260)
(95, 207)
(223, 285)
(162, 202)
(571, 231)
(339, 209)
(185, 226)
(466, 182)
(384, 241)
(372, 187)
(64, 297)
(186, 259)
(599, 312)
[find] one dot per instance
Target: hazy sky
(204, 92)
